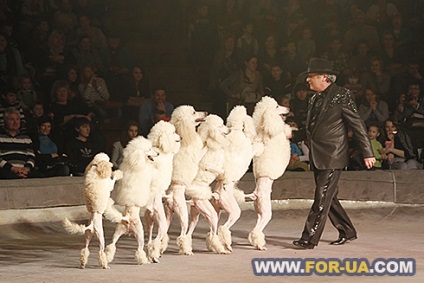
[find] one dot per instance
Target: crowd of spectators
(67, 75)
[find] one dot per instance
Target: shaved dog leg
(148, 216)
(180, 208)
(230, 205)
(160, 217)
(98, 229)
(263, 202)
(194, 219)
(208, 211)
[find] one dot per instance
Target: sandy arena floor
(43, 252)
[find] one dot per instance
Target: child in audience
(131, 131)
(373, 134)
(26, 93)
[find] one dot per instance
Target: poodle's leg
(263, 209)
(140, 254)
(85, 252)
(114, 215)
(180, 209)
(194, 219)
(228, 202)
(148, 216)
(120, 230)
(160, 219)
(98, 230)
(208, 211)
(168, 214)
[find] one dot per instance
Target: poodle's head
(238, 120)
(138, 152)
(185, 119)
(213, 132)
(164, 137)
(101, 164)
(268, 116)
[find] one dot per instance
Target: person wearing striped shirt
(17, 158)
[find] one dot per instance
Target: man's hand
(369, 162)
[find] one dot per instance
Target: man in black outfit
(331, 111)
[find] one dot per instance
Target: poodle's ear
(217, 138)
(91, 164)
(272, 123)
(104, 169)
(165, 143)
(249, 127)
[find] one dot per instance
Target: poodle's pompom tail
(239, 196)
(214, 244)
(84, 254)
(164, 244)
(110, 252)
(184, 245)
(224, 235)
(140, 257)
(257, 239)
(154, 249)
(103, 260)
(198, 191)
(73, 228)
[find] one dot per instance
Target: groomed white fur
(271, 164)
(167, 143)
(224, 234)
(134, 193)
(98, 183)
(185, 166)
(212, 133)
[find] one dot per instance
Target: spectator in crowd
(402, 35)
(11, 66)
(26, 93)
(335, 53)
(398, 153)
(380, 13)
(64, 18)
(17, 158)
(95, 34)
(269, 54)
(374, 133)
(355, 87)
(392, 56)
(73, 80)
(229, 18)
(306, 46)
(129, 132)
(49, 160)
(81, 149)
(136, 92)
(359, 31)
(34, 116)
(377, 77)
(148, 110)
(292, 62)
(361, 57)
(225, 62)
(86, 55)
(295, 162)
(10, 99)
(299, 103)
(94, 91)
(244, 86)
(247, 43)
(278, 83)
(412, 73)
(373, 109)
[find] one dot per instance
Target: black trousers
(326, 204)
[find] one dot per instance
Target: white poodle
(269, 118)
(167, 143)
(212, 133)
(98, 183)
(134, 190)
(185, 166)
(238, 156)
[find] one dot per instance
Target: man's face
(84, 130)
(276, 72)
(160, 96)
(315, 81)
(12, 121)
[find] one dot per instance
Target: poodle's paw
(214, 244)
(110, 252)
(84, 254)
(103, 260)
(164, 244)
(117, 175)
(224, 235)
(141, 258)
(184, 245)
(257, 239)
(154, 249)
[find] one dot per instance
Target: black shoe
(342, 240)
(303, 244)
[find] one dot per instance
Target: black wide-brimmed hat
(320, 66)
